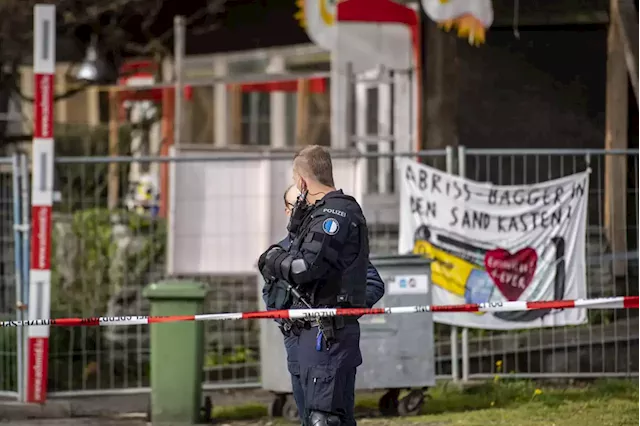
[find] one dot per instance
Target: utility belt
(329, 326)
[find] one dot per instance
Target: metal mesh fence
(102, 256)
(8, 337)
(608, 345)
(108, 244)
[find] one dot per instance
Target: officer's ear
(298, 179)
(303, 185)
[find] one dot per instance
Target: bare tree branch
(109, 20)
(106, 19)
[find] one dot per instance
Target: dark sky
(242, 25)
(251, 24)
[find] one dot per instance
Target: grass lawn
(616, 412)
(502, 402)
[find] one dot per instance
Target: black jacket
(375, 286)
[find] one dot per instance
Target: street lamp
(93, 69)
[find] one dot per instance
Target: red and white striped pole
(44, 61)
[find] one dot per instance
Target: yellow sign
(448, 271)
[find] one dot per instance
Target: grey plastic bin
(397, 349)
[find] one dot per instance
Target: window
(256, 118)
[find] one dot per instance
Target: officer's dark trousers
(291, 345)
(327, 377)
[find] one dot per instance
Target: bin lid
(400, 260)
(176, 290)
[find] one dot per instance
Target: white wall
(224, 214)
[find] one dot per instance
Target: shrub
(95, 254)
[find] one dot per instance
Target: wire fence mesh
(106, 248)
(8, 338)
(608, 345)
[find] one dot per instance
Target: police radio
(298, 213)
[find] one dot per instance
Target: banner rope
(623, 302)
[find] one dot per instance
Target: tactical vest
(346, 288)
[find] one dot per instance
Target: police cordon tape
(623, 302)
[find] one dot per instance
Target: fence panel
(9, 364)
(106, 249)
(383, 215)
(104, 253)
(226, 209)
(101, 257)
(381, 208)
(608, 345)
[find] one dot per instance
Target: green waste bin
(176, 353)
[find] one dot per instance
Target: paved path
(75, 422)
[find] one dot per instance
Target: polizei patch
(330, 226)
(334, 211)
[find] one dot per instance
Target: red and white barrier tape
(626, 302)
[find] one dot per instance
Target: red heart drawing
(512, 273)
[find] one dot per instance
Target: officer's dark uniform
(327, 260)
(375, 291)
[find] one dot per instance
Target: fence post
(587, 159)
(453, 336)
(26, 253)
(178, 54)
(26, 229)
(17, 257)
(462, 164)
(385, 144)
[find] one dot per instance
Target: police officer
(327, 262)
(291, 329)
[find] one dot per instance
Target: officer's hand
(262, 259)
(265, 263)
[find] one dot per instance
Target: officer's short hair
(315, 161)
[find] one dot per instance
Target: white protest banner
(491, 244)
